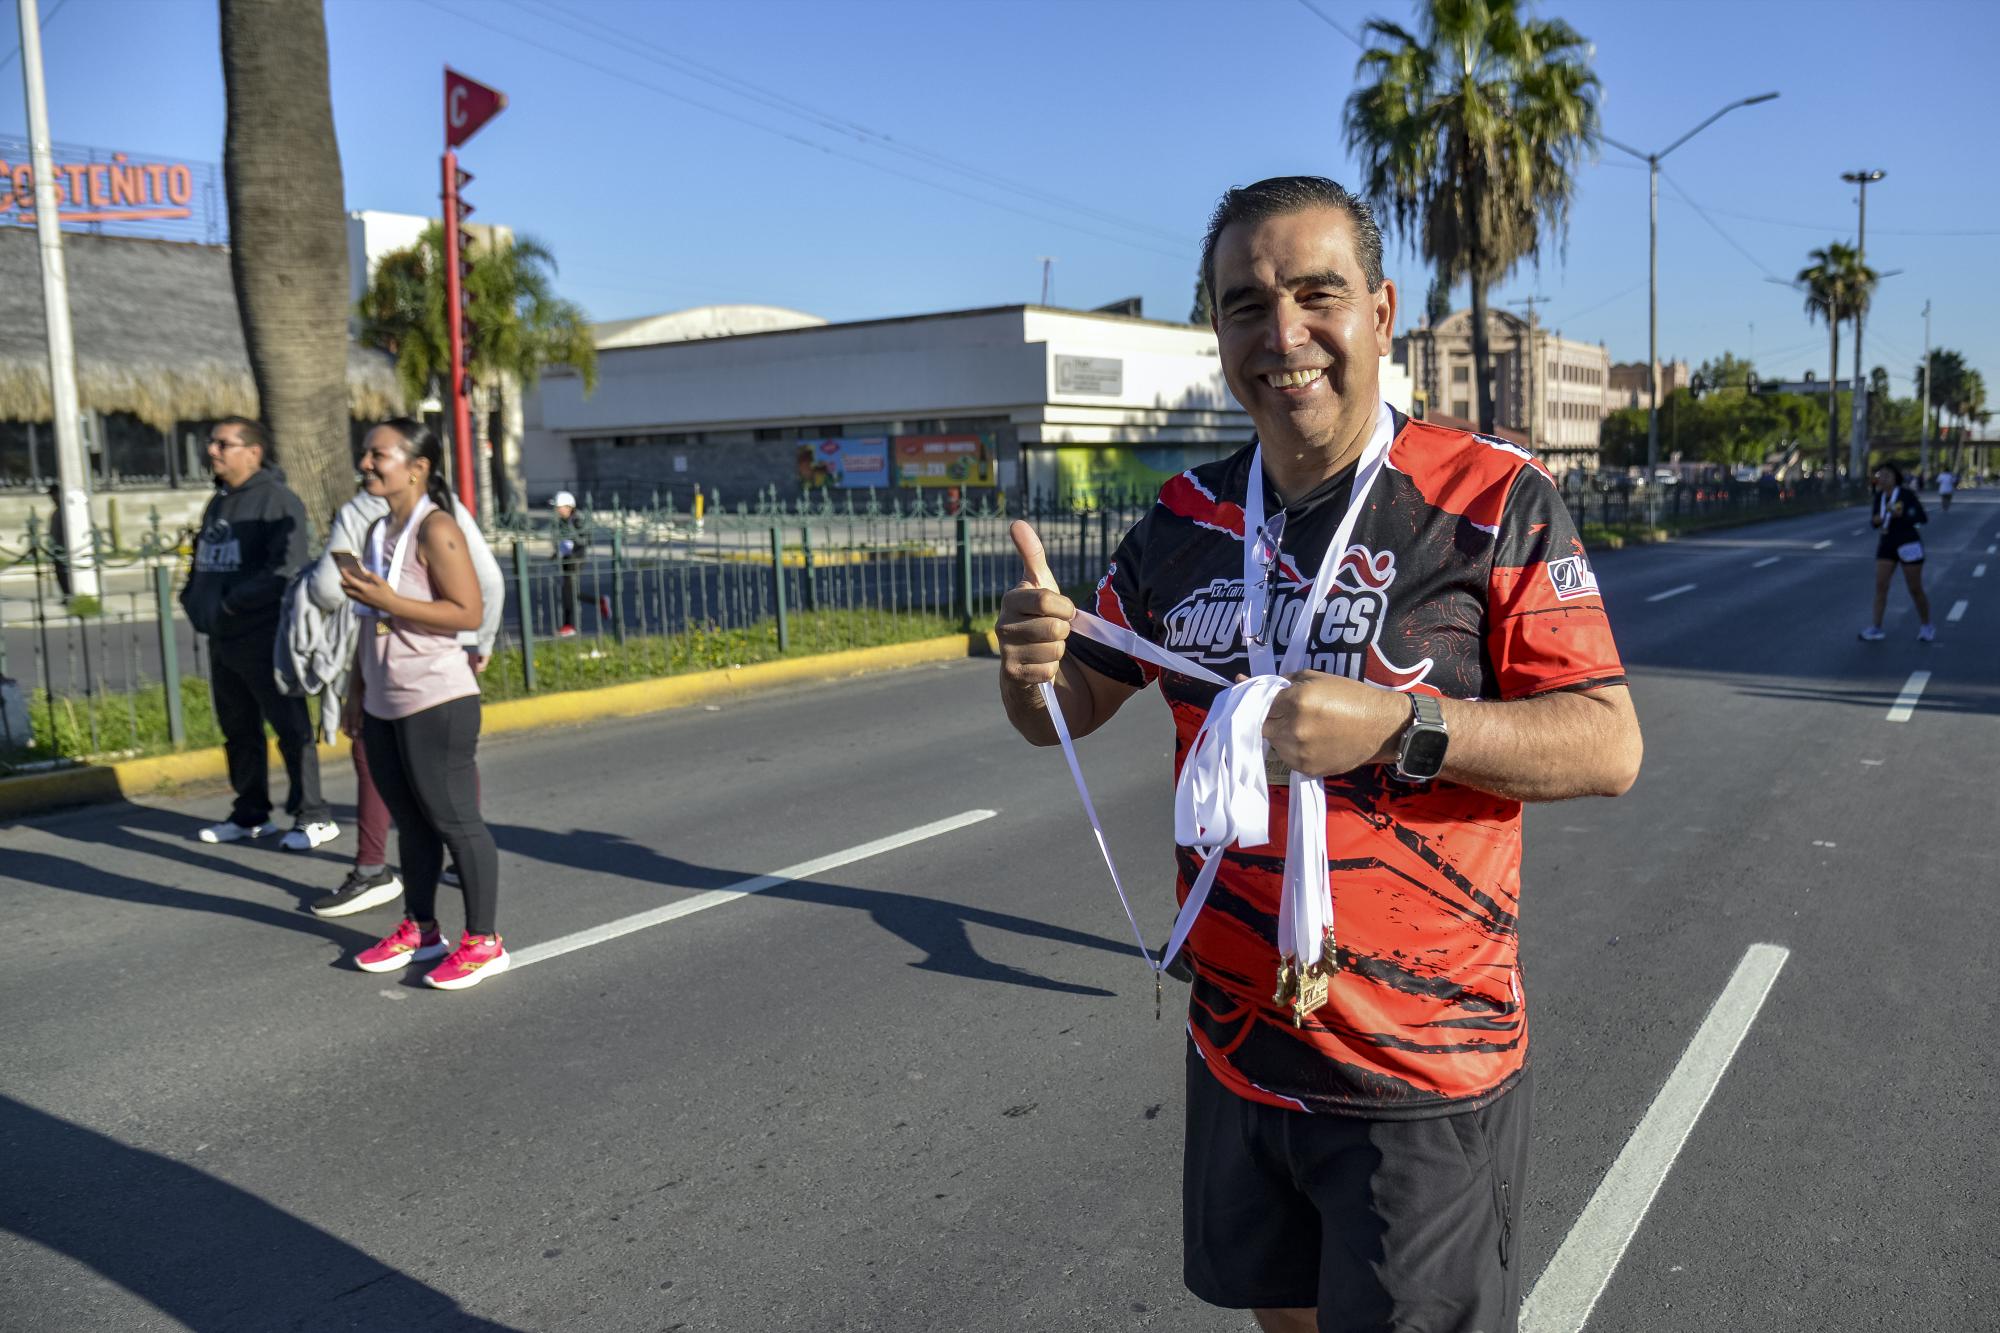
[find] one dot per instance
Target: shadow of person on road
(935, 927)
(215, 1257)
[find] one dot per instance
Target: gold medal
(1276, 771)
(1311, 995)
(381, 627)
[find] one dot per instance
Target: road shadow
(937, 929)
(127, 829)
(214, 1257)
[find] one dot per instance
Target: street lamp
(1857, 444)
(1652, 161)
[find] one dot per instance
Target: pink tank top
(406, 668)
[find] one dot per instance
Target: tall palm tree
(1837, 286)
(519, 325)
(288, 239)
(1470, 132)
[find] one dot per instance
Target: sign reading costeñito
(116, 191)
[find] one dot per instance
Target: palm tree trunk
(482, 447)
(1482, 354)
(1833, 402)
(288, 239)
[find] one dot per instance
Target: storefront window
(138, 452)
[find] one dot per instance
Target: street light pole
(1652, 161)
(1924, 421)
(1857, 444)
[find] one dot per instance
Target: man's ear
(1385, 317)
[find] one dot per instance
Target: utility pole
(71, 472)
(1048, 264)
(1857, 446)
(1924, 421)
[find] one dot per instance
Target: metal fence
(650, 592)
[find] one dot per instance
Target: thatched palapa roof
(156, 333)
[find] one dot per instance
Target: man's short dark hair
(1290, 194)
(253, 432)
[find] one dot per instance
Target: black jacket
(1898, 513)
(253, 540)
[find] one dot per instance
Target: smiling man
(1358, 1163)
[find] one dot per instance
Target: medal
(381, 627)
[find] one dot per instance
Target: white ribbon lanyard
(394, 569)
(1223, 795)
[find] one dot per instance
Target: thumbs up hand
(1034, 617)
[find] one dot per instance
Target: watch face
(1423, 754)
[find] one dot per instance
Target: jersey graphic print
(1464, 578)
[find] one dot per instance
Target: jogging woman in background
(420, 703)
(1897, 515)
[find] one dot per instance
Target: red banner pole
(461, 415)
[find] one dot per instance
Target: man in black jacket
(253, 540)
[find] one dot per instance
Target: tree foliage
(1837, 286)
(1470, 131)
(1725, 370)
(1730, 428)
(519, 325)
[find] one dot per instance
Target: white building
(1024, 398)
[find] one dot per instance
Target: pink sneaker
(476, 958)
(407, 945)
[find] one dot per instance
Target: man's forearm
(1550, 748)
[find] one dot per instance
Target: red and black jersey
(1464, 578)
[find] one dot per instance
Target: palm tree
(1469, 133)
(1837, 286)
(519, 325)
(288, 239)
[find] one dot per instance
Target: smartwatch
(1420, 757)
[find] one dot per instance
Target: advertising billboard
(844, 463)
(944, 460)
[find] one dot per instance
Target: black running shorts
(1379, 1224)
(1888, 548)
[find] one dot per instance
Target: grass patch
(128, 724)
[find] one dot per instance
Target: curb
(37, 793)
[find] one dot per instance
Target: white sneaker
(231, 831)
(1873, 634)
(1928, 634)
(305, 837)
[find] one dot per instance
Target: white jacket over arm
(350, 533)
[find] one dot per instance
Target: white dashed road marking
(1767, 560)
(1567, 1289)
(1821, 546)
(1673, 592)
(701, 902)
(1906, 702)
(1979, 571)
(1957, 612)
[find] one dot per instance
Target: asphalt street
(923, 1087)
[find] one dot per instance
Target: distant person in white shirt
(1946, 483)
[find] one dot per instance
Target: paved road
(925, 1089)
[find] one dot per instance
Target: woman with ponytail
(420, 702)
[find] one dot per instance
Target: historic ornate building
(1553, 398)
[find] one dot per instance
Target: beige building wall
(1631, 386)
(1549, 390)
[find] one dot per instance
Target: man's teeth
(1292, 379)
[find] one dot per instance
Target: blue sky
(925, 156)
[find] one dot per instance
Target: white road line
(1991, 549)
(1767, 560)
(1673, 592)
(1857, 532)
(1567, 1289)
(1906, 702)
(1979, 571)
(1957, 612)
(1821, 546)
(701, 902)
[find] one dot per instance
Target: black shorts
(1886, 548)
(1377, 1224)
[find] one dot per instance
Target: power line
(1703, 213)
(1819, 227)
(47, 19)
(1578, 314)
(624, 41)
(1328, 19)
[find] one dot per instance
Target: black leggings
(423, 766)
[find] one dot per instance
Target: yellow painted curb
(33, 793)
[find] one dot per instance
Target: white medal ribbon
(394, 569)
(1223, 795)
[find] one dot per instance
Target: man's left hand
(1326, 725)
